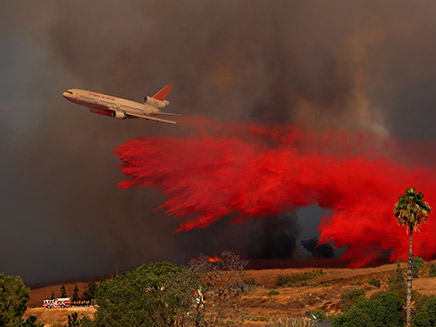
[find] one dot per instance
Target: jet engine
(156, 103)
(118, 114)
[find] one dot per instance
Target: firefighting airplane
(109, 105)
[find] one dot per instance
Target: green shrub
(397, 284)
(374, 282)
(250, 282)
(417, 264)
(419, 300)
(383, 310)
(319, 315)
(432, 271)
(349, 298)
(356, 283)
(427, 316)
(273, 292)
(260, 318)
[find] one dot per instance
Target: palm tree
(411, 211)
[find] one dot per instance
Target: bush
(260, 318)
(385, 309)
(397, 283)
(289, 279)
(273, 292)
(432, 271)
(417, 264)
(349, 298)
(319, 315)
(427, 316)
(419, 300)
(31, 322)
(250, 282)
(356, 283)
(374, 282)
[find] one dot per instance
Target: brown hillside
(320, 293)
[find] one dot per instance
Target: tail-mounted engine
(156, 103)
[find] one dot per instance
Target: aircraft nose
(67, 94)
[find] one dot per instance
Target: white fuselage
(108, 104)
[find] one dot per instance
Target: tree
(63, 291)
(75, 298)
(374, 282)
(31, 322)
(13, 298)
(396, 283)
(411, 211)
(73, 320)
(89, 293)
(384, 309)
(153, 295)
(349, 298)
(427, 316)
(221, 289)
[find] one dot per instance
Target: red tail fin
(162, 94)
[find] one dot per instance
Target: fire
(213, 259)
(253, 171)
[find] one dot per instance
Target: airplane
(109, 105)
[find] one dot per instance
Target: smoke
(318, 250)
(267, 238)
(252, 171)
(361, 65)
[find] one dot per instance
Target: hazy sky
(353, 64)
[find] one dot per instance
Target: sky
(360, 65)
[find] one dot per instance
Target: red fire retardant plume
(252, 171)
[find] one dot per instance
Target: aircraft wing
(151, 118)
(169, 114)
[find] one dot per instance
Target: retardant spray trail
(253, 171)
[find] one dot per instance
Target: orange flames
(212, 259)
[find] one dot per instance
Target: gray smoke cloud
(360, 65)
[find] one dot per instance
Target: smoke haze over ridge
(358, 65)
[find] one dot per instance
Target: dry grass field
(322, 292)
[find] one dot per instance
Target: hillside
(322, 292)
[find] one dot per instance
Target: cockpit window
(69, 92)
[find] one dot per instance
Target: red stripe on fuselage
(88, 104)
